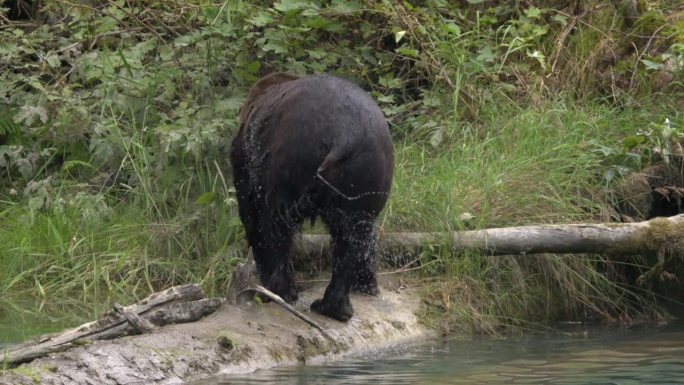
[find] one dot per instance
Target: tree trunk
(649, 237)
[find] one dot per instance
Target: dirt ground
(235, 339)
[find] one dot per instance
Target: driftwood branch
(178, 304)
(648, 237)
(277, 299)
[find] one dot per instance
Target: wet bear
(307, 147)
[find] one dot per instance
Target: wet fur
(315, 146)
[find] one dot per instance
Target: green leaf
(651, 65)
(451, 28)
(136, 53)
(290, 5)
(230, 104)
(210, 13)
(345, 6)
(261, 19)
(533, 13)
(398, 36)
(53, 60)
(389, 81)
(102, 151)
(385, 98)
(539, 56)
(318, 67)
(206, 198)
(106, 24)
(276, 46)
(324, 23)
(561, 19)
(436, 138)
(408, 51)
(25, 168)
(36, 203)
(187, 40)
(485, 55)
(253, 67)
(633, 141)
(27, 115)
(310, 12)
(317, 53)
(166, 52)
(678, 48)
(540, 30)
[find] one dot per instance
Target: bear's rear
(312, 146)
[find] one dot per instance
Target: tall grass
(481, 128)
(535, 165)
(121, 242)
(517, 166)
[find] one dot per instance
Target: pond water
(644, 355)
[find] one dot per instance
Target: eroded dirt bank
(235, 339)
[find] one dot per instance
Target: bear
(309, 147)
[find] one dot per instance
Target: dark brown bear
(315, 146)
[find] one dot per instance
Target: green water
(645, 355)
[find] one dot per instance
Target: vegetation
(115, 117)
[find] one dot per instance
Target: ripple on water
(597, 356)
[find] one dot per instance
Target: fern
(70, 164)
(10, 132)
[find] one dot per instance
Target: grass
(539, 165)
(502, 144)
(517, 166)
(120, 242)
(73, 246)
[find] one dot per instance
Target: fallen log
(179, 304)
(654, 236)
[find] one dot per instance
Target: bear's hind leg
(364, 279)
(352, 236)
(271, 254)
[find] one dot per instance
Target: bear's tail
(333, 157)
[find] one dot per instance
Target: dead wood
(277, 299)
(244, 277)
(648, 237)
(179, 304)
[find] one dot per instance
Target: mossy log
(179, 304)
(649, 237)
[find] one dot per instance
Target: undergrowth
(115, 119)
